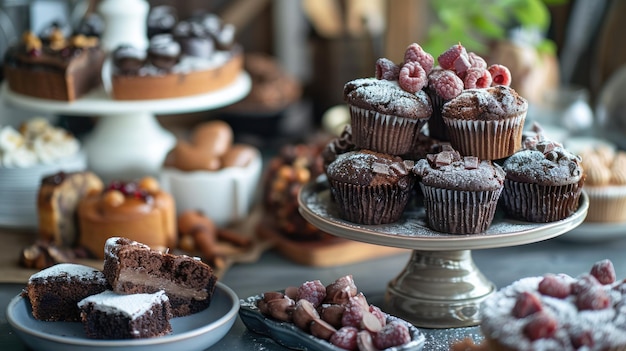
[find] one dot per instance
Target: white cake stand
(440, 287)
(128, 142)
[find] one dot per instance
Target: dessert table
(273, 272)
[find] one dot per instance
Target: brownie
(109, 315)
(54, 292)
(131, 267)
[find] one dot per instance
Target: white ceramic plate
(594, 232)
(198, 331)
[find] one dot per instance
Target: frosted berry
(476, 78)
(526, 304)
(477, 61)
(461, 65)
(415, 53)
(593, 299)
(365, 342)
(445, 84)
(341, 290)
(345, 338)
(393, 334)
(448, 58)
(555, 286)
(583, 283)
(412, 77)
(604, 272)
(541, 326)
(583, 338)
(500, 75)
(313, 291)
(386, 69)
(353, 313)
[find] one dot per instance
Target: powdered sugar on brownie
(130, 305)
(544, 162)
(69, 271)
(387, 97)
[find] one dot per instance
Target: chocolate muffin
(370, 187)
(460, 192)
(128, 59)
(163, 51)
(486, 123)
(543, 181)
(384, 117)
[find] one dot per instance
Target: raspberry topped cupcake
(486, 123)
(388, 111)
(459, 70)
(460, 192)
(543, 182)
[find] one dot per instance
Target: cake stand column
(129, 145)
(439, 289)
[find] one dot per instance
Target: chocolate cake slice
(131, 267)
(109, 315)
(54, 292)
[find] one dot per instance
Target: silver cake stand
(440, 287)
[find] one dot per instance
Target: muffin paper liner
(487, 140)
(378, 204)
(606, 203)
(459, 212)
(540, 203)
(436, 127)
(383, 133)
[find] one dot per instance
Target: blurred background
(566, 56)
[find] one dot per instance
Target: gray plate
(190, 333)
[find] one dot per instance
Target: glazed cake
(131, 267)
(57, 202)
(64, 68)
(558, 312)
(109, 315)
(54, 292)
(139, 210)
(195, 57)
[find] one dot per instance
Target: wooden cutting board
(324, 253)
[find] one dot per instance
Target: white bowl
(225, 196)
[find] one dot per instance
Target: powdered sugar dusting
(69, 271)
(387, 97)
(131, 305)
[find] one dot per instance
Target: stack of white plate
(19, 188)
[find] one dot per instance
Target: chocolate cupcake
(128, 59)
(460, 192)
(163, 51)
(370, 187)
(194, 39)
(486, 123)
(543, 182)
(384, 117)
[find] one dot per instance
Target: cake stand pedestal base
(438, 289)
(131, 144)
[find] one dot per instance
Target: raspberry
(583, 338)
(393, 334)
(500, 75)
(477, 61)
(345, 338)
(448, 58)
(412, 77)
(594, 298)
(461, 64)
(604, 272)
(313, 291)
(526, 304)
(583, 283)
(446, 84)
(386, 69)
(353, 313)
(476, 78)
(415, 53)
(555, 286)
(541, 326)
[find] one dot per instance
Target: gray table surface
(272, 272)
